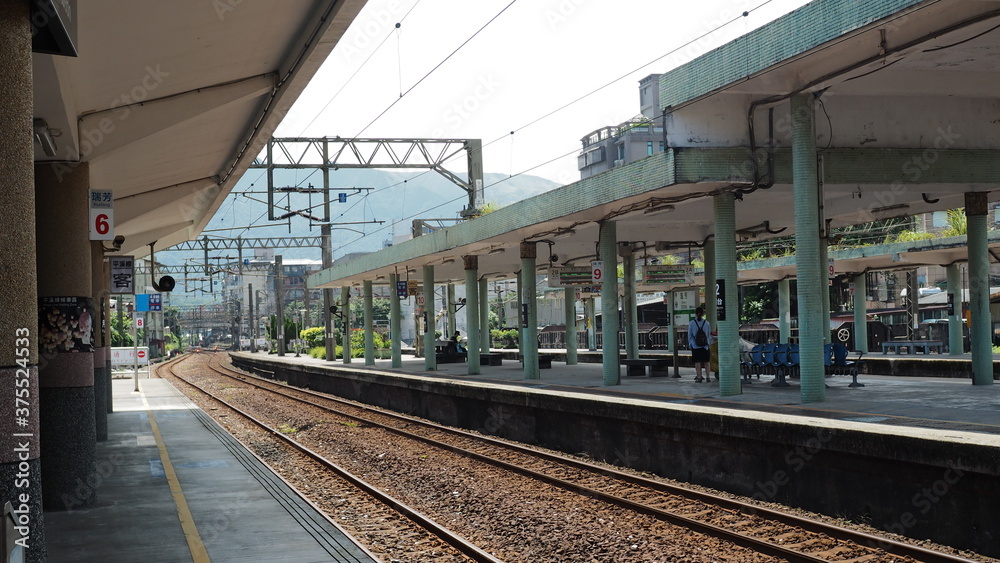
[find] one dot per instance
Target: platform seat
(658, 367)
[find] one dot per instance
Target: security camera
(118, 242)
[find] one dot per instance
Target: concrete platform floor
(174, 486)
(921, 402)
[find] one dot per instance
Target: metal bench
(658, 367)
(912, 346)
(491, 359)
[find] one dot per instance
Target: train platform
(885, 400)
(173, 486)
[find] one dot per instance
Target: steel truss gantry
(332, 153)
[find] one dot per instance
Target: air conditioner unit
(619, 162)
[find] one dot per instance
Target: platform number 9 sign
(597, 271)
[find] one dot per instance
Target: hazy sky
(534, 58)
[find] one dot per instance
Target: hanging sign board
(123, 275)
(401, 289)
(413, 287)
(671, 274)
(102, 215)
(720, 300)
(570, 276)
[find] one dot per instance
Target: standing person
(700, 342)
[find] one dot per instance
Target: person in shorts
(700, 343)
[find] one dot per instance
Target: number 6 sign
(597, 271)
(101, 215)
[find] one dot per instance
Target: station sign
(149, 302)
(401, 289)
(597, 271)
(668, 274)
(123, 275)
(571, 276)
(128, 356)
(413, 287)
(102, 215)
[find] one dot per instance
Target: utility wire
(437, 66)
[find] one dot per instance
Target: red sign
(142, 354)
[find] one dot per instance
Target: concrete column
(450, 309)
(825, 289)
(517, 311)
(729, 319)
(571, 344)
(784, 310)
(708, 254)
(672, 335)
(629, 304)
(529, 343)
(106, 315)
(981, 332)
(607, 243)
(484, 317)
(860, 314)
(19, 321)
(472, 296)
(395, 324)
(279, 294)
(808, 252)
(369, 324)
(66, 374)
(956, 342)
(430, 356)
(345, 324)
(590, 306)
(102, 352)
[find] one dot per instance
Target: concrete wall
(910, 484)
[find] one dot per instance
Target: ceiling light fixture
(564, 233)
(496, 251)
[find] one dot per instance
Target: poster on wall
(65, 324)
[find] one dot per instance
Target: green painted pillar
(825, 291)
(590, 307)
(628, 303)
(369, 324)
(981, 332)
(956, 343)
(708, 255)
(529, 344)
(345, 310)
(808, 265)
(912, 305)
(784, 310)
(484, 316)
(450, 308)
(571, 344)
(395, 322)
(517, 311)
(607, 245)
(728, 319)
(430, 355)
(472, 311)
(860, 314)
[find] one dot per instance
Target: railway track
(410, 523)
(785, 536)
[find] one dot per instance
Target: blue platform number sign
(155, 301)
(401, 290)
(720, 300)
(524, 315)
(342, 198)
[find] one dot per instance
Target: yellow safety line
(197, 547)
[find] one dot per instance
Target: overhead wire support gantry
(333, 153)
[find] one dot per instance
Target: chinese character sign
(123, 275)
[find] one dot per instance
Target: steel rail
(458, 542)
(861, 539)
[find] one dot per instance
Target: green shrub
(505, 338)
